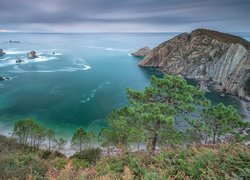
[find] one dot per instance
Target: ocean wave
(80, 62)
(3, 59)
(12, 62)
(109, 49)
(13, 52)
(66, 69)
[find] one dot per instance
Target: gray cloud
(112, 15)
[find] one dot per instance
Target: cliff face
(205, 55)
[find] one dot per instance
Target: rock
(142, 52)
(202, 85)
(18, 60)
(10, 41)
(32, 55)
(4, 78)
(1, 52)
(206, 55)
(222, 95)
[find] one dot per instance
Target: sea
(78, 78)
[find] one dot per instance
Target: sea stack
(142, 52)
(1, 52)
(32, 55)
(206, 55)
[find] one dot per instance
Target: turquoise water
(79, 84)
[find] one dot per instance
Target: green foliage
(60, 143)
(90, 155)
(59, 163)
(22, 165)
(220, 120)
(47, 154)
(80, 164)
(197, 162)
(27, 129)
(81, 138)
(150, 116)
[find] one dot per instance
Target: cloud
(129, 15)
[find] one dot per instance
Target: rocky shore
(207, 56)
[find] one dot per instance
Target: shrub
(91, 155)
(80, 163)
(21, 165)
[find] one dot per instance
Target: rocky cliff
(208, 56)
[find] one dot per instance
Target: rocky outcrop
(142, 52)
(10, 41)
(1, 52)
(206, 55)
(4, 78)
(32, 55)
(18, 60)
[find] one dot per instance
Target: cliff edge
(208, 56)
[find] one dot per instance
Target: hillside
(205, 55)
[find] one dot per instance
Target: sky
(123, 15)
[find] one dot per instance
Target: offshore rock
(142, 52)
(1, 52)
(206, 55)
(32, 55)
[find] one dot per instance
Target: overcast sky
(124, 15)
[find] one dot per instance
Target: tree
(122, 129)
(159, 104)
(27, 129)
(79, 138)
(60, 142)
(22, 129)
(221, 119)
(151, 114)
(50, 135)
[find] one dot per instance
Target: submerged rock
(32, 55)
(1, 52)
(142, 52)
(206, 55)
(18, 60)
(4, 78)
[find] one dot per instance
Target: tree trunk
(155, 136)
(49, 143)
(214, 136)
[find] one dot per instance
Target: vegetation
(224, 37)
(81, 138)
(194, 152)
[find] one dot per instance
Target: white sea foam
(80, 62)
(66, 69)
(11, 62)
(86, 97)
(13, 52)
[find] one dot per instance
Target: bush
(21, 165)
(59, 163)
(90, 155)
(80, 163)
(47, 154)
